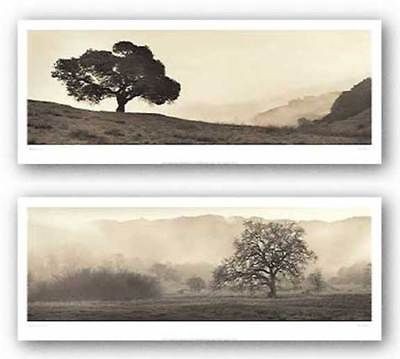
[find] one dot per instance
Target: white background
(199, 180)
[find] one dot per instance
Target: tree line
(266, 255)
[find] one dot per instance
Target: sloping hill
(359, 125)
(352, 102)
(55, 124)
(350, 113)
(309, 108)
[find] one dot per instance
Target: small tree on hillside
(196, 284)
(264, 252)
(316, 281)
(126, 72)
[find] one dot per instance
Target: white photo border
(201, 154)
(198, 330)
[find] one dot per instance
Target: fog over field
(61, 239)
(199, 264)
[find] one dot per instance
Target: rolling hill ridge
(349, 122)
(310, 108)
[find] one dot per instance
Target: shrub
(315, 281)
(304, 122)
(196, 284)
(95, 284)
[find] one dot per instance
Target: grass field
(55, 124)
(294, 307)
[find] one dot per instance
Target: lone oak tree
(127, 72)
(263, 253)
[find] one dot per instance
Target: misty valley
(199, 267)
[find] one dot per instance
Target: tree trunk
(121, 105)
(272, 287)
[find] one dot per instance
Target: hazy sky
(67, 217)
(218, 70)
(73, 237)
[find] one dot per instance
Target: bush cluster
(95, 284)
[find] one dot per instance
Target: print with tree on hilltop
(199, 87)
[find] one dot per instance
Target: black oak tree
(263, 253)
(126, 72)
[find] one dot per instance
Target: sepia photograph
(199, 91)
(177, 260)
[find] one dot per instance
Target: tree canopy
(263, 253)
(126, 72)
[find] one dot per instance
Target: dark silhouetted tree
(264, 252)
(126, 72)
(196, 284)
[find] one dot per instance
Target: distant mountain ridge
(349, 113)
(308, 107)
(189, 240)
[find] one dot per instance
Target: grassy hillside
(352, 102)
(55, 124)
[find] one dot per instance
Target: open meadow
(329, 307)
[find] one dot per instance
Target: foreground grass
(55, 124)
(299, 307)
